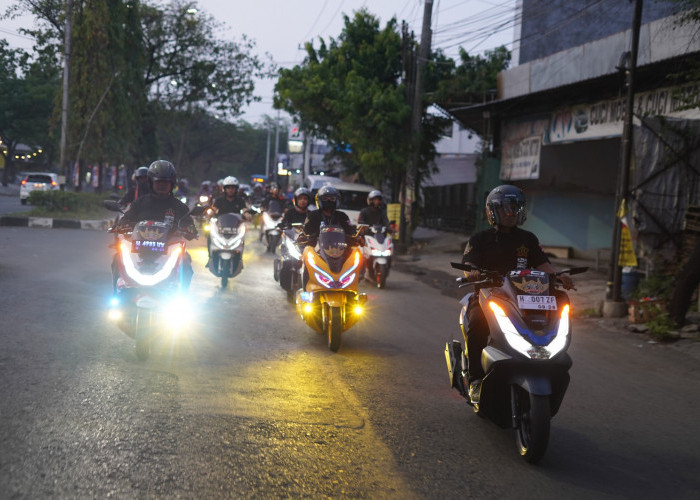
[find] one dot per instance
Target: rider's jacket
(168, 209)
(235, 206)
(292, 216)
(498, 251)
(137, 191)
(312, 226)
(373, 217)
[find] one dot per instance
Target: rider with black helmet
(373, 214)
(327, 201)
(139, 189)
(504, 247)
(297, 215)
(273, 194)
(161, 205)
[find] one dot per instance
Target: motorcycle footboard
(453, 355)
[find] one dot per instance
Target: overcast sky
(279, 27)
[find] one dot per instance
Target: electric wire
(320, 13)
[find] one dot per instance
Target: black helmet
(141, 172)
(302, 191)
(510, 198)
(162, 170)
(328, 198)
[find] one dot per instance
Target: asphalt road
(11, 204)
(252, 404)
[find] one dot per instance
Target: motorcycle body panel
(227, 242)
(378, 252)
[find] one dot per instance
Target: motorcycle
(287, 267)
(270, 234)
(377, 251)
(330, 302)
(526, 363)
(226, 243)
(149, 298)
(204, 202)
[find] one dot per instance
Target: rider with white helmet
(374, 214)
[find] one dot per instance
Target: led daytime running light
(149, 279)
(352, 268)
(515, 340)
(322, 273)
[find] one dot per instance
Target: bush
(659, 286)
(66, 201)
(660, 326)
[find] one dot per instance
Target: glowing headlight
(308, 308)
(559, 342)
(114, 314)
(380, 253)
(515, 340)
(358, 310)
(149, 279)
(178, 312)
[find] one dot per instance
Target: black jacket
(312, 227)
(373, 217)
(168, 209)
(503, 252)
(235, 206)
(292, 216)
(139, 190)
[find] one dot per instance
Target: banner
(627, 257)
(522, 141)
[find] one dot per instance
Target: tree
(134, 62)
(350, 91)
(26, 87)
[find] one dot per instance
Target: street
(251, 403)
(11, 204)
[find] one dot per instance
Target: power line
(332, 18)
(320, 13)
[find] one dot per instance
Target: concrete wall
(550, 26)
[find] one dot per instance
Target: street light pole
(615, 276)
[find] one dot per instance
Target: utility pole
(615, 276)
(409, 185)
(267, 152)
(64, 106)
(277, 141)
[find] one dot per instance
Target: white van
(353, 198)
(314, 182)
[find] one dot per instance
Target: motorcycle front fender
(334, 299)
(225, 255)
(380, 261)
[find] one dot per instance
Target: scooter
(270, 234)
(378, 251)
(150, 302)
(330, 302)
(526, 363)
(287, 267)
(226, 244)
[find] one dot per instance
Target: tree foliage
(135, 63)
(27, 88)
(350, 91)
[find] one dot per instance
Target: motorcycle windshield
(150, 237)
(228, 223)
(379, 234)
(275, 208)
(331, 241)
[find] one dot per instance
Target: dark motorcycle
(287, 267)
(526, 361)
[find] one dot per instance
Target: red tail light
(24, 182)
(53, 183)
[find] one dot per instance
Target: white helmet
(230, 181)
(374, 194)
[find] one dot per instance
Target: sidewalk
(429, 260)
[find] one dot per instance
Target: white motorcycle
(378, 250)
(226, 244)
(270, 234)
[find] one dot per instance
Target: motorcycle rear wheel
(143, 334)
(532, 435)
(335, 328)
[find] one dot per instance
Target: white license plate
(543, 302)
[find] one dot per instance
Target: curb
(48, 223)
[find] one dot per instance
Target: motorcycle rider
(273, 194)
(296, 215)
(231, 201)
(327, 201)
(374, 214)
(504, 247)
(161, 205)
(140, 188)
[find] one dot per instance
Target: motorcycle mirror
(463, 267)
(113, 206)
(573, 270)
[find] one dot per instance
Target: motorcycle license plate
(542, 302)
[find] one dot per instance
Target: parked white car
(37, 181)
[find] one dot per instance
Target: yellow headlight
(308, 308)
(358, 310)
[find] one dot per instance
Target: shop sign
(522, 140)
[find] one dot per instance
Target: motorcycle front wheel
(381, 276)
(143, 334)
(334, 327)
(532, 435)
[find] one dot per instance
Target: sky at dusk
(280, 28)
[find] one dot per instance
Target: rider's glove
(473, 275)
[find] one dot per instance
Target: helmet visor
(512, 206)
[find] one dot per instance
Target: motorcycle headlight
(178, 313)
(292, 249)
(511, 334)
(559, 341)
(376, 252)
